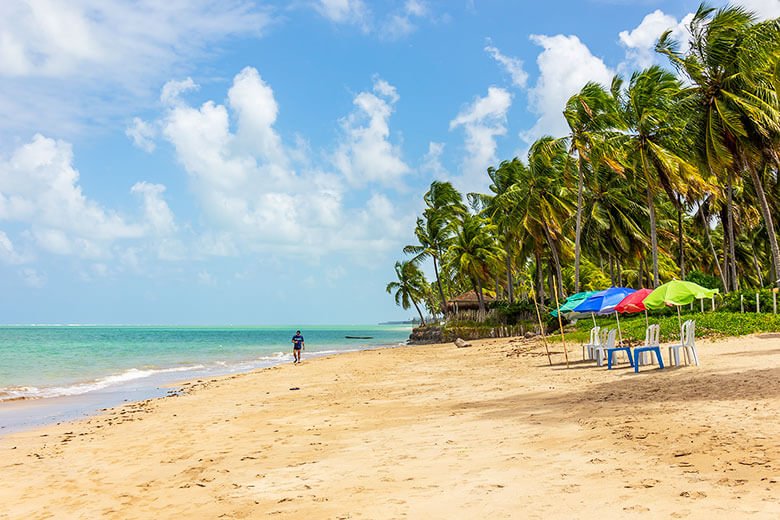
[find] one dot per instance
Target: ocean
(51, 373)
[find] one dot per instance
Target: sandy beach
(490, 431)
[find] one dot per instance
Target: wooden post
(758, 304)
(560, 322)
(541, 331)
(774, 300)
(742, 303)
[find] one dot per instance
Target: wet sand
(490, 431)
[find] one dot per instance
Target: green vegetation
(708, 325)
(671, 173)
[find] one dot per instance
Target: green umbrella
(676, 292)
(571, 302)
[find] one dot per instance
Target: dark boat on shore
(359, 337)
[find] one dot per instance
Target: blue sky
(236, 162)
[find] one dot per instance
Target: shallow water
(53, 373)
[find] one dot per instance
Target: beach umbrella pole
(679, 323)
(620, 334)
(593, 315)
(647, 321)
(541, 331)
(560, 322)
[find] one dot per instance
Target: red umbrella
(633, 303)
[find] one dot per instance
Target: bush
(705, 280)
(512, 313)
(731, 301)
(708, 325)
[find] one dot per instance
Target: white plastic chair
(652, 339)
(601, 350)
(688, 345)
(593, 342)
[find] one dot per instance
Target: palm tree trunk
(730, 217)
(653, 235)
(419, 312)
(756, 266)
(712, 249)
(480, 298)
(578, 226)
(539, 278)
(680, 236)
(611, 271)
(438, 284)
(768, 222)
(556, 261)
(509, 279)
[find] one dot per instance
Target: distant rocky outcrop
(426, 334)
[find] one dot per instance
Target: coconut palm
(410, 286)
(498, 206)
(475, 253)
(731, 66)
(544, 202)
(434, 229)
(591, 115)
(653, 123)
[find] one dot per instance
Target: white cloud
(352, 12)
(565, 66)
(640, 42)
(33, 278)
(764, 9)
(366, 153)
(39, 184)
(142, 134)
(396, 24)
(513, 66)
(158, 216)
(402, 23)
(205, 278)
(85, 62)
(255, 192)
(174, 88)
(483, 121)
(8, 253)
(432, 161)
(255, 107)
(39, 187)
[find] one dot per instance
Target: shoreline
(23, 413)
(425, 431)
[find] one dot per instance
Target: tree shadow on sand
(622, 396)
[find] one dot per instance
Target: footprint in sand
(637, 508)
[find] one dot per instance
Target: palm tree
(731, 66)
(543, 200)
(409, 287)
(444, 204)
(434, 235)
(475, 253)
(591, 114)
(501, 211)
(653, 123)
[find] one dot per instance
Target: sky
(229, 162)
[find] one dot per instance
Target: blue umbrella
(604, 302)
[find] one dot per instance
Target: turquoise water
(51, 361)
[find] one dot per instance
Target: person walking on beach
(298, 345)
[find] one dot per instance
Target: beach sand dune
(490, 431)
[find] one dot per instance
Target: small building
(467, 301)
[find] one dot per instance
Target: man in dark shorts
(298, 345)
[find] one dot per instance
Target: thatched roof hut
(467, 301)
